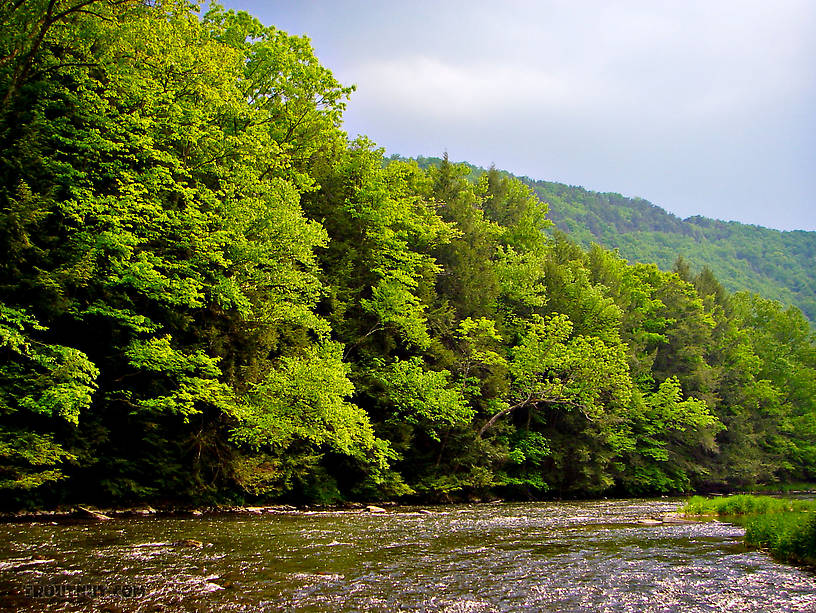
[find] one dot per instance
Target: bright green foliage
(790, 537)
(571, 291)
(469, 281)
(549, 367)
(208, 292)
(663, 431)
(522, 283)
(743, 504)
(378, 264)
(301, 101)
(304, 399)
(784, 386)
(422, 397)
(571, 389)
(478, 346)
(40, 386)
(50, 380)
(785, 527)
(27, 458)
(667, 410)
(529, 450)
(514, 206)
(195, 377)
(145, 233)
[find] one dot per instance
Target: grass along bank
(794, 487)
(784, 527)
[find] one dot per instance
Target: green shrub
(785, 527)
(790, 537)
(744, 504)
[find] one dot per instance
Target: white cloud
(703, 107)
(430, 87)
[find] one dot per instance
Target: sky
(703, 107)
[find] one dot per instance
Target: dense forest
(771, 263)
(210, 294)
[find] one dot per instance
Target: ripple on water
(546, 556)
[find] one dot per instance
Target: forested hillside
(774, 264)
(777, 265)
(209, 293)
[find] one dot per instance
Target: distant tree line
(774, 264)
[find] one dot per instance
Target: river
(548, 556)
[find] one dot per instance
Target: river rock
(350, 505)
(375, 509)
(426, 512)
(649, 522)
(91, 514)
(676, 519)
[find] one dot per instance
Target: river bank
(89, 511)
(84, 513)
(784, 527)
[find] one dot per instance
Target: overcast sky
(702, 107)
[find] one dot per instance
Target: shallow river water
(558, 556)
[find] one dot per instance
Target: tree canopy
(211, 293)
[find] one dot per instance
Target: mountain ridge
(777, 264)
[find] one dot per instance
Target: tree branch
(530, 401)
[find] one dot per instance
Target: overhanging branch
(530, 401)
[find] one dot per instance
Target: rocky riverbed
(622, 555)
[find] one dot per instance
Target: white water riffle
(549, 556)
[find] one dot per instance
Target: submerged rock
(189, 543)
